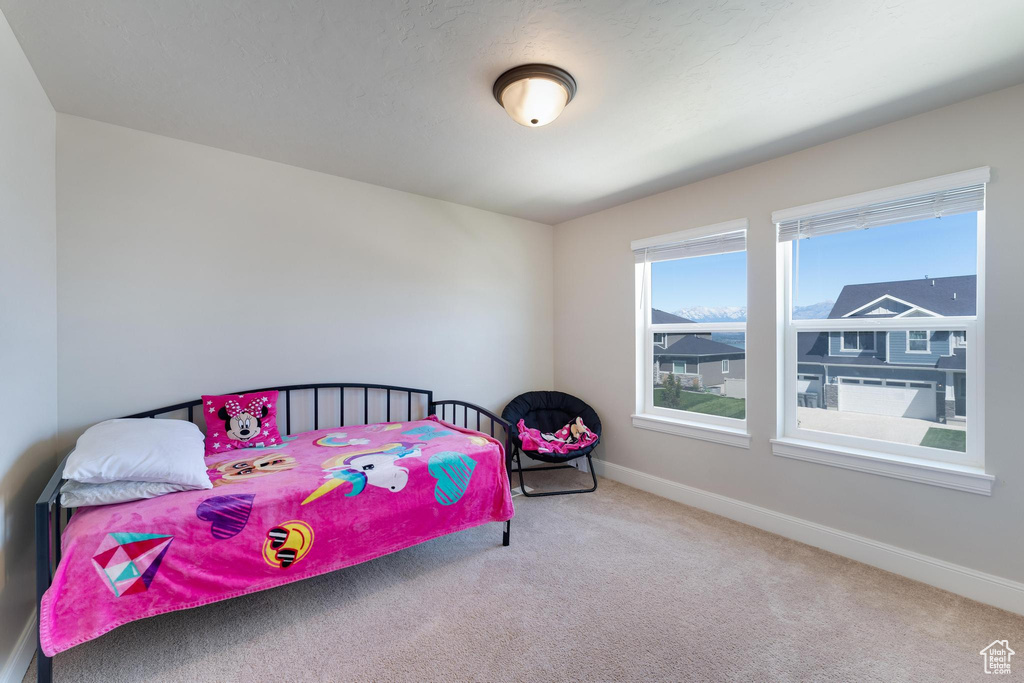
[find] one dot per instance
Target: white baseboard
(970, 583)
(17, 664)
(581, 465)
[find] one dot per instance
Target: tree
(672, 392)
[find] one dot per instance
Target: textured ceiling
(399, 93)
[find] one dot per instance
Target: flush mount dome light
(534, 94)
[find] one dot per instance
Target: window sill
(946, 475)
(694, 430)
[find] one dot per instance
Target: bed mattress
(320, 501)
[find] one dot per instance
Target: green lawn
(708, 404)
(950, 439)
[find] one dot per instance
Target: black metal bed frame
(49, 519)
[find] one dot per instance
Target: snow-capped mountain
(818, 311)
(734, 314)
(714, 314)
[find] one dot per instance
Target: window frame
(725, 365)
(731, 431)
(860, 336)
(961, 470)
(927, 342)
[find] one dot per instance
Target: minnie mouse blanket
(317, 502)
(571, 437)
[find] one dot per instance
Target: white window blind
(944, 196)
(721, 243)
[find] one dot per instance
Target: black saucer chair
(549, 411)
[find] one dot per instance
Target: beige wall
(28, 354)
(185, 269)
(594, 342)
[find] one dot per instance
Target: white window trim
(686, 368)
(949, 181)
(725, 366)
(724, 430)
(844, 347)
(912, 463)
(730, 436)
(946, 475)
(927, 340)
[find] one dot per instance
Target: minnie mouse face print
(244, 424)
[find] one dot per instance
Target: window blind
(722, 243)
(934, 204)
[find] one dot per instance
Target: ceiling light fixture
(534, 94)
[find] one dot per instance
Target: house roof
(659, 317)
(932, 294)
(812, 347)
(958, 361)
(692, 345)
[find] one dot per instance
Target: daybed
(322, 500)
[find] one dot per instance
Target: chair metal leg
(522, 485)
(505, 535)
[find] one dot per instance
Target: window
(898, 273)
(918, 341)
(692, 287)
(659, 339)
(858, 341)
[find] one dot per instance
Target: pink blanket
(571, 437)
(321, 501)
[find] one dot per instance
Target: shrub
(671, 394)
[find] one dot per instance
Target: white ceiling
(398, 93)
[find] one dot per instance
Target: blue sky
(937, 247)
(718, 280)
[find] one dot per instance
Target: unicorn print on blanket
(375, 466)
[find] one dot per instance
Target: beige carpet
(614, 585)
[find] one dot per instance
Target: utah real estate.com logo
(997, 657)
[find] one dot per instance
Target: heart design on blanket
(453, 472)
(227, 515)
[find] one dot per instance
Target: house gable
(944, 296)
(888, 306)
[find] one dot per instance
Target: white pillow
(75, 494)
(163, 451)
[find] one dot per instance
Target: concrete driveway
(895, 429)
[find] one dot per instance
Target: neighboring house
(699, 361)
(911, 373)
